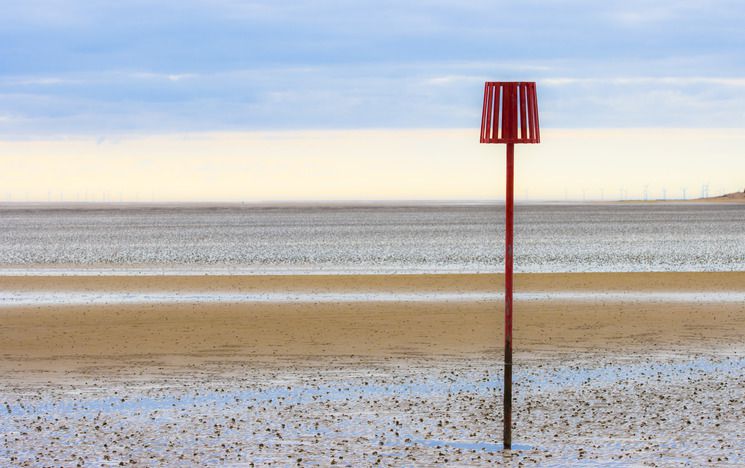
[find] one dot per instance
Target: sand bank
(69, 337)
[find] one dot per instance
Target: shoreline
(735, 197)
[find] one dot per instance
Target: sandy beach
(390, 369)
(73, 336)
(277, 234)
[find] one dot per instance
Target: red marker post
(509, 116)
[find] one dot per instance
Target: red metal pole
(508, 242)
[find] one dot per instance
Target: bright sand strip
(74, 337)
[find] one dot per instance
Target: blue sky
(101, 68)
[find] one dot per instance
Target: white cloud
(163, 76)
(453, 79)
(640, 80)
(35, 81)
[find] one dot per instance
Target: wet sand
(66, 337)
(607, 380)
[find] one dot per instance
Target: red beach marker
(510, 116)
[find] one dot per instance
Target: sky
(265, 100)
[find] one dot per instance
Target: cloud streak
(651, 80)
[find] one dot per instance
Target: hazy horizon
(304, 100)
(419, 164)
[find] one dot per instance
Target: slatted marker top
(510, 113)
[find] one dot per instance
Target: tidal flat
(603, 381)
